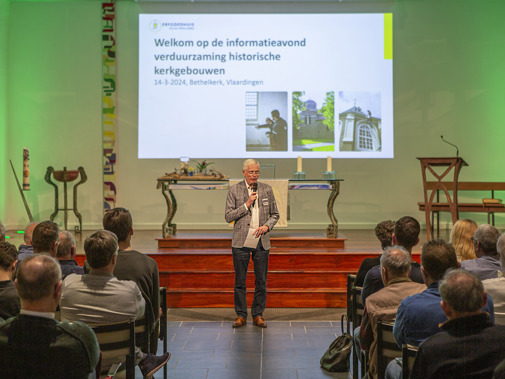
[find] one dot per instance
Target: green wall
(448, 79)
(4, 19)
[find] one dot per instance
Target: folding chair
(350, 283)
(387, 349)
(357, 314)
(163, 324)
(117, 341)
(409, 353)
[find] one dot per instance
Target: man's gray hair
(37, 276)
(487, 235)
(398, 264)
(249, 162)
(67, 240)
(500, 246)
(462, 290)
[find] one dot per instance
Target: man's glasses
(253, 172)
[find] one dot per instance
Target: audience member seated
(65, 254)
(100, 298)
(9, 299)
(138, 267)
(495, 288)
(384, 232)
(45, 238)
(420, 315)
(406, 235)
(461, 238)
(395, 269)
(487, 264)
(470, 345)
(33, 344)
(26, 249)
(3, 232)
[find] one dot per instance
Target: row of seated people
(446, 305)
(116, 284)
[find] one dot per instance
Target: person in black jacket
(384, 232)
(470, 345)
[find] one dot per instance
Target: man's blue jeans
(241, 258)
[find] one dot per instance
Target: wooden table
(169, 228)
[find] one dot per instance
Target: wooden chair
(117, 341)
(163, 324)
(350, 284)
(387, 349)
(409, 353)
(356, 316)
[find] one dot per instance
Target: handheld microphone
(255, 189)
(457, 150)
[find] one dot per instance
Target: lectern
(454, 165)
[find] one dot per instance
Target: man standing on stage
(252, 206)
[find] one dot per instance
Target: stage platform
(277, 240)
(306, 269)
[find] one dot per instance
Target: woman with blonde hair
(461, 238)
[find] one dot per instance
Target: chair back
(142, 333)
(350, 284)
(387, 349)
(163, 324)
(357, 310)
(409, 353)
(117, 341)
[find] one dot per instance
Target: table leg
(48, 180)
(332, 229)
(84, 177)
(65, 198)
(168, 229)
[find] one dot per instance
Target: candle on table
(299, 164)
(328, 164)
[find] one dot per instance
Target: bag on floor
(337, 356)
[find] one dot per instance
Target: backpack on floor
(337, 357)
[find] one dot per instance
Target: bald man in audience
(26, 249)
(487, 265)
(382, 305)
(33, 344)
(9, 299)
(470, 345)
(45, 238)
(65, 254)
(496, 287)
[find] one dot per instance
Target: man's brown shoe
(239, 321)
(259, 321)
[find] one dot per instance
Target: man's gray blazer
(236, 211)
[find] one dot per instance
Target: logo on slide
(154, 25)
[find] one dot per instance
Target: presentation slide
(265, 86)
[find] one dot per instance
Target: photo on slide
(359, 121)
(313, 121)
(265, 116)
